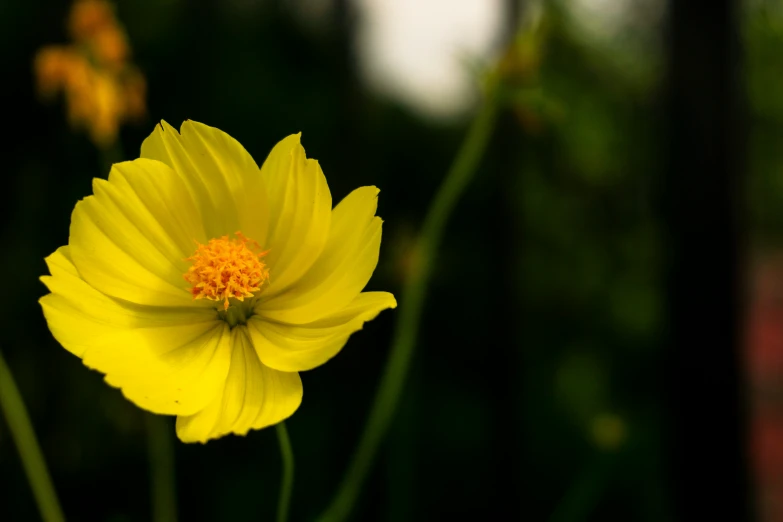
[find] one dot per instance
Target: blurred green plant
(27, 444)
(163, 492)
(287, 474)
(412, 302)
(512, 83)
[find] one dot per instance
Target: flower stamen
(226, 268)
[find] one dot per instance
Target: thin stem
(412, 302)
(32, 460)
(287, 476)
(163, 487)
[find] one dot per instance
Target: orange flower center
(226, 268)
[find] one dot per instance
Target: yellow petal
(182, 380)
(254, 397)
(74, 307)
(130, 239)
(290, 348)
(174, 227)
(222, 178)
(340, 272)
(68, 319)
(166, 360)
(300, 207)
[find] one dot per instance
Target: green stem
(22, 432)
(411, 304)
(162, 469)
(287, 478)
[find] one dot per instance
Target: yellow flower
(105, 106)
(51, 67)
(201, 285)
(110, 47)
(102, 90)
(89, 17)
(135, 106)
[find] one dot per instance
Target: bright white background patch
(417, 50)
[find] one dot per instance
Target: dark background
(595, 273)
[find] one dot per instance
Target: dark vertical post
(702, 196)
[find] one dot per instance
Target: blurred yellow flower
(89, 17)
(201, 284)
(102, 89)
